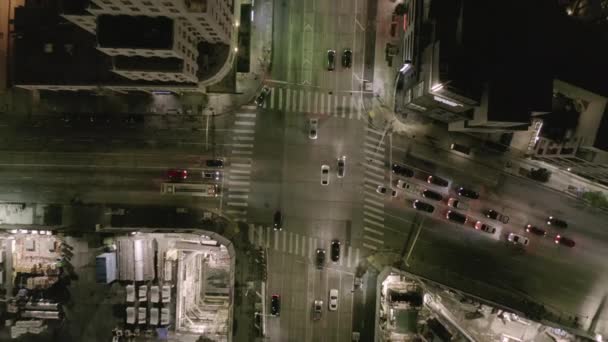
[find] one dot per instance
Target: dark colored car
(217, 163)
(347, 58)
(341, 166)
(464, 192)
(419, 205)
(432, 195)
(335, 250)
(262, 97)
(320, 258)
(562, 240)
(495, 215)
(275, 305)
(535, 230)
(456, 217)
(331, 60)
(277, 221)
(212, 175)
(552, 221)
(176, 175)
(437, 181)
(402, 171)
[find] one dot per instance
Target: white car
(382, 190)
(517, 239)
(324, 174)
(333, 300)
(341, 166)
(313, 126)
(458, 204)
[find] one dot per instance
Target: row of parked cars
(458, 203)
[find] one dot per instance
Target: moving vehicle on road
(317, 309)
(198, 189)
(562, 240)
(432, 195)
(275, 305)
(324, 174)
(422, 206)
(262, 97)
(313, 125)
(555, 222)
(216, 163)
(347, 58)
(333, 300)
(335, 250)
(177, 175)
(331, 60)
(485, 227)
(320, 258)
(458, 204)
(437, 181)
(277, 221)
(517, 239)
(495, 215)
(465, 192)
(535, 230)
(341, 166)
(456, 217)
(383, 190)
(213, 175)
(402, 171)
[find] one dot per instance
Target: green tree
(400, 9)
(596, 199)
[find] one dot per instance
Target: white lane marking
(290, 243)
(373, 174)
(374, 147)
(240, 171)
(246, 115)
(237, 189)
(369, 207)
(236, 204)
(374, 216)
(370, 200)
(370, 166)
(377, 232)
(239, 177)
(241, 165)
(238, 196)
(244, 123)
(241, 152)
(371, 130)
(242, 138)
(350, 252)
(244, 131)
(236, 212)
(242, 145)
(371, 153)
(367, 237)
(251, 233)
(369, 246)
(231, 183)
(374, 223)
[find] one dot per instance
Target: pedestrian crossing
(373, 202)
(310, 101)
(239, 176)
(304, 246)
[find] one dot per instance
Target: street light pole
(414, 243)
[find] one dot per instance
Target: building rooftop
(51, 51)
(148, 63)
(140, 32)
